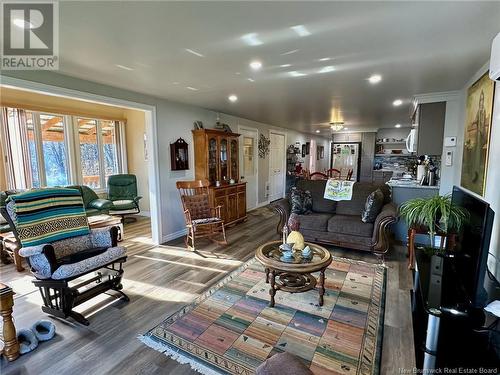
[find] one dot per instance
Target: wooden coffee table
(293, 275)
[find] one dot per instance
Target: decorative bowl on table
(287, 250)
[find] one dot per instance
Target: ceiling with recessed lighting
(317, 57)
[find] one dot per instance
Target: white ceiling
(417, 47)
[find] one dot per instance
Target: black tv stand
(446, 326)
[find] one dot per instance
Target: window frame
(72, 148)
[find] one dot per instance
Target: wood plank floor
(161, 279)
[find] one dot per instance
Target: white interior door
(249, 164)
(276, 166)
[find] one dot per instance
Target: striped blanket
(49, 215)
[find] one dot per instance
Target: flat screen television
(473, 244)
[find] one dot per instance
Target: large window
(61, 150)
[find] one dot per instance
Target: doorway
(277, 172)
(150, 124)
(249, 164)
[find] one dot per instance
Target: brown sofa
(339, 223)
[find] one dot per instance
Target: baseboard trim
(144, 213)
(173, 236)
(262, 204)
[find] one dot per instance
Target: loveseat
(339, 223)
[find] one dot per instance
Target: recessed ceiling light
(397, 102)
(250, 79)
(237, 73)
(375, 78)
(397, 125)
(256, 65)
(301, 30)
(123, 67)
(289, 52)
(192, 88)
(285, 65)
(318, 131)
(325, 59)
(22, 23)
(327, 69)
(252, 39)
(194, 52)
(175, 83)
(346, 128)
(232, 98)
(297, 74)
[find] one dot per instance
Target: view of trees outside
(109, 145)
(54, 148)
(89, 150)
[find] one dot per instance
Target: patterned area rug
(231, 329)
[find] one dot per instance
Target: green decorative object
(437, 214)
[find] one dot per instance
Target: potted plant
(436, 214)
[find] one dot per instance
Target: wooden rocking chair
(201, 219)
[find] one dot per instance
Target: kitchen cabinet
(216, 159)
(233, 201)
(347, 137)
(216, 155)
(430, 126)
(367, 156)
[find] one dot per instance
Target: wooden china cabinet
(216, 159)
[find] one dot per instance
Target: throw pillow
(301, 201)
(373, 206)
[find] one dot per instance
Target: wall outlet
(450, 141)
(448, 159)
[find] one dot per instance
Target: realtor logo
(30, 35)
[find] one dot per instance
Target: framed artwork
(479, 111)
(322, 152)
(308, 148)
(303, 151)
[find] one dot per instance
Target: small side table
(11, 345)
(11, 247)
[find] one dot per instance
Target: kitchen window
(49, 149)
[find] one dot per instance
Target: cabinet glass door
(212, 160)
(223, 159)
(234, 160)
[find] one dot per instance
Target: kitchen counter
(403, 191)
(412, 184)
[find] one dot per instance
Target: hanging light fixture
(337, 125)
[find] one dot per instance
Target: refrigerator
(346, 156)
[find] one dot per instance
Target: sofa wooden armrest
(282, 207)
(386, 217)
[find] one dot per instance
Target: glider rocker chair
(202, 220)
(52, 228)
(122, 192)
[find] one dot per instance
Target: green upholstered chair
(93, 204)
(122, 191)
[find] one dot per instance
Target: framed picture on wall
(308, 148)
(303, 151)
(478, 120)
(321, 152)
